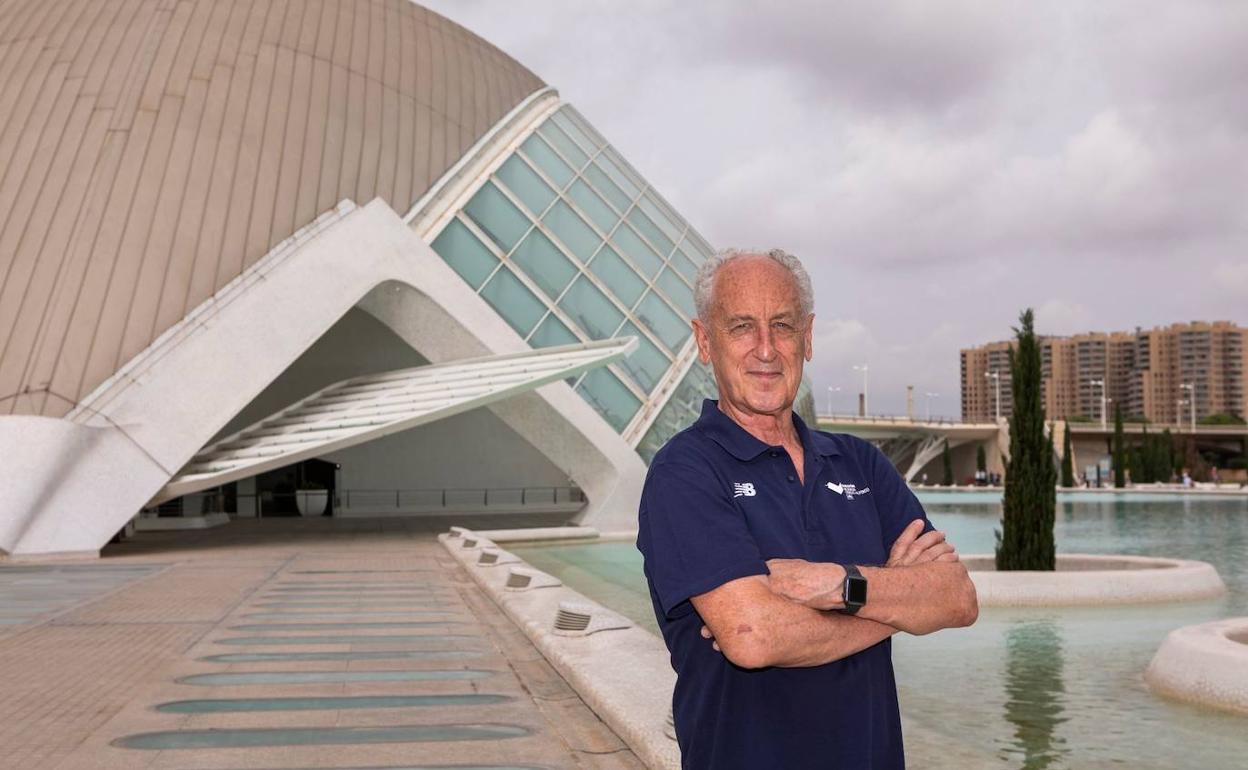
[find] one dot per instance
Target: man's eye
(739, 328)
(781, 327)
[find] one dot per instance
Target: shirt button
(792, 477)
(775, 454)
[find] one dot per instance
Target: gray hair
(704, 285)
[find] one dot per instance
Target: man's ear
(809, 336)
(703, 337)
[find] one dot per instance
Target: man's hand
(912, 548)
(814, 584)
(706, 634)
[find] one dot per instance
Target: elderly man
(796, 553)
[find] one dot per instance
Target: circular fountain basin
(1091, 580)
(1205, 664)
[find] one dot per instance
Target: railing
(216, 501)
(893, 419)
(458, 498)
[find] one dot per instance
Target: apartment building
(1152, 374)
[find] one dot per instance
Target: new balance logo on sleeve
(743, 489)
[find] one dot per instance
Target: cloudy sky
(938, 166)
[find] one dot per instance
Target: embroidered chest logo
(849, 491)
(743, 489)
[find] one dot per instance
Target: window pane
(568, 227)
(591, 310)
(604, 391)
(593, 206)
(647, 364)
(633, 247)
(497, 216)
(603, 184)
(621, 165)
(677, 291)
(647, 228)
(696, 248)
(621, 279)
(685, 265)
(671, 229)
(462, 251)
(617, 174)
(544, 263)
(526, 184)
(540, 153)
(575, 155)
(551, 332)
(663, 321)
(513, 301)
(571, 129)
(580, 120)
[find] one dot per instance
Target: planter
(1090, 580)
(312, 502)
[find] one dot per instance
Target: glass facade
(569, 243)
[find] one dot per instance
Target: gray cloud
(938, 166)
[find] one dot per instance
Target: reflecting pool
(1034, 687)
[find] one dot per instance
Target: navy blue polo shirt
(717, 504)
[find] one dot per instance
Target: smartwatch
(853, 590)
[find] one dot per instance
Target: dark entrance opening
(281, 491)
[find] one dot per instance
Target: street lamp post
(831, 390)
(863, 368)
(930, 396)
(996, 376)
(1100, 384)
(1190, 387)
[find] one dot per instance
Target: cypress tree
(1120, 453)
(1026, 538)
(1068, 461)
(1146, 473)
(948, 462)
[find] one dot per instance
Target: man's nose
(765, 347)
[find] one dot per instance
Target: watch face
(856, 590)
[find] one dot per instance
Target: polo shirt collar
(739, 443)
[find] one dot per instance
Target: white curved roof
(149, 153)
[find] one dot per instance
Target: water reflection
(1035, 693)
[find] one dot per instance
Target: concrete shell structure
(150, 152)
(212, 210)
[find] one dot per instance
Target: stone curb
(622, 672)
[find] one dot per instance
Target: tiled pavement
(373, 606)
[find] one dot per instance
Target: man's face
(757, 337)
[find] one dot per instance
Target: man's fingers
(951, 556)
(904, 540)
(933, 553)
(922, 543)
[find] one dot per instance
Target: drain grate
(264, 657)
(343, 639)
(331, 677)
(231, 705)
(319, 736)
(342, 626)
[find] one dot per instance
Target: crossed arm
(786, 619)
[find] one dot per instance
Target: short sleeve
(694, 539)
(894, 500)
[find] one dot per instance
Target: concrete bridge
(915, 444)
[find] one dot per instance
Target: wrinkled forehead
(756, 286)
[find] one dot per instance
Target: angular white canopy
(365, 408)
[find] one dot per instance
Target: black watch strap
(852, 575)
